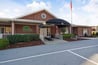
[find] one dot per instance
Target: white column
(13, 28)
(71, 29)
(57, 32)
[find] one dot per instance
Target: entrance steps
(55, 41)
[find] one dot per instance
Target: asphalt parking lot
(70, 53)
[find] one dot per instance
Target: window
(64, 30)
(43, 16)
(26, 29)
(5, 29)
(1, 30)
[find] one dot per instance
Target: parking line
(12, 60)
(82, 57)
(83, 47)
(50, 53)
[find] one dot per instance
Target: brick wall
(37, 16)
(53, 30)
(79, 30)
(19, 29)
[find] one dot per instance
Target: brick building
(30, 23)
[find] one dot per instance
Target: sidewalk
(89, 37)
(55, 41)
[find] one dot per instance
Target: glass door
(1, 30)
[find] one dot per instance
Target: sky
(84, 12)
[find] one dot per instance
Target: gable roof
(37, 12)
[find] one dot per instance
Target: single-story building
(41, 22)
(81, 30)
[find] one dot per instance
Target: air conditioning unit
(1, 35)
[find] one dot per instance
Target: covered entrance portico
(54, 28)
(60, 26)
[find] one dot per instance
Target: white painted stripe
(82, 57)
(84, 47)
(50, 53)
(12, 60)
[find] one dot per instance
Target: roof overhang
(58, 22)
(20, 20)
(5, 19)
(80, 25)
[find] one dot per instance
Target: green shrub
(3, 43)
(96, 33)
(67, 36)
(22, 38)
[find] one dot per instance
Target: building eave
(20, 20)
(73, 25)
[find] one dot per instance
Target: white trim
(20, 20)
(83, 57)
(30, 21)
(13, 28)
(73, 25)
(43, 15)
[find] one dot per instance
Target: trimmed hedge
(22, 38)
(67, 36)
(3, 43)
(97, 34)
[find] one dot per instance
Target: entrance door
(85, 31)
(45, 31)
(1, 31)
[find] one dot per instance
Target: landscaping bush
(93, 34)
(22, 38)
(3, 43)
(97, 34)
(67, 36)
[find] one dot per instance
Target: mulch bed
(75, 39)
(34, 43)
(24, 44)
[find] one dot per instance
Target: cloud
(12, 9)
(2, 14)
(85, 15)
(35, 5)
(91, 7)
